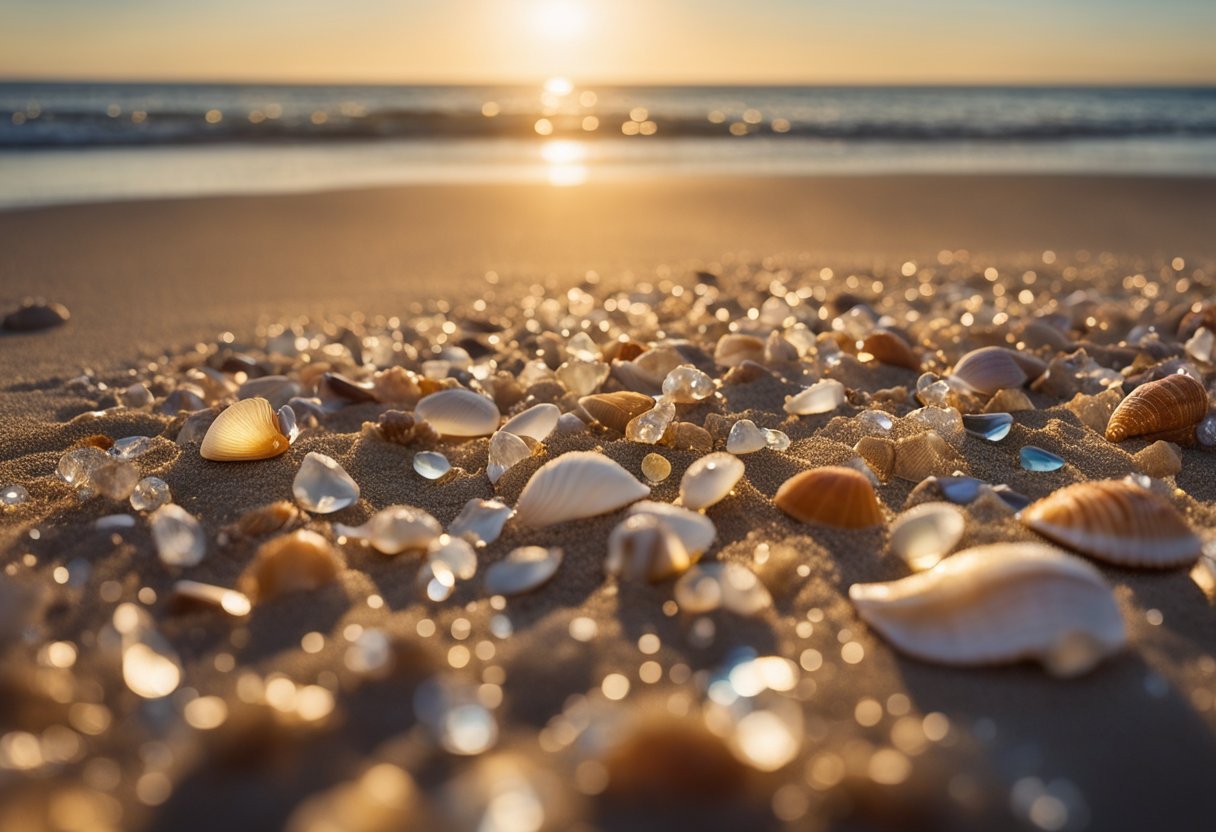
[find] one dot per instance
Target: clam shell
(688, 437)
(734, 348)
(644, 547)
(576, 485)
(245, 431)
(924, 455)
(924, 534)
(263, 520)
(616, 410)
(1168, 408)
(645, 373)
(537, 422)
(1000, 603)
(296, 562)
(889, 348)
(523, 570)
(709, 479)
(879, 454)
(832, 496)
(695, 530)
(990, 369)
(458, 412)
(1116, 521)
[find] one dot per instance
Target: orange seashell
(296, 562)
(890, 348)
(1168, 408)
(622, 351)
(1116, 521)
(990, 369)
(832, 496)
(615, 410)
(263, 520)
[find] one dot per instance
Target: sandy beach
(1128, 745)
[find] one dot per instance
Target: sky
(624, 41)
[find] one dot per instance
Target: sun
(560, 19)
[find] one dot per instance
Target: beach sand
(1127, 746)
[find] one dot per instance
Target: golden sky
(640, 41)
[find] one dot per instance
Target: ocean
(62, 142)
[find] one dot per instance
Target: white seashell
(709, 479)
(458, 412)
(576, 485)
(247, 430)
(644, 548)
(823, 396)
(523, 570)
(695, 530)
(506, 451)
(481, 521)
(395, 529)
(926, 533)
(999, 603)
(537, 422)
(732, 586)
(645, 374)
(322, 486)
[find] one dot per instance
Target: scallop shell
(1000, 603)
(458, 412)
(990, 369)
(576, 485)
(1168, 408)
(924, 455)
(644, 547)
(296, 562)
(709, 479)
(926, 533)
(247, 430)
(537, 422)
(695, 530)
(734, 348)
(879, 454)
(1116, 521)
(616, 410)
(890, 348)
(832, 496)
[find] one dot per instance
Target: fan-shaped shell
(247, 430)
(695, 530)
(1116, 521)
(576, 485)
(1000, 603)
(295, 562)
(537, 422)
(709, 479)
(832, 496)
(890, 348)
(458, 412)
(1168, 408)
(616, 410)
(990, 369)
(924, 455)
(879, 454)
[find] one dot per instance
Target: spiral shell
(831, 496)
(247, 430)
(458, 412)
(890, 348)
(1168, 408)
(1116, 521)
(990, 369)
(616, 410)
(1000, 603)
(576, 485)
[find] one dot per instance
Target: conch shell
(999, 603)
(832, 496)
(576, 485)
(247, 430)
(1168, 409)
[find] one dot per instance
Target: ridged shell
(1000, 603)
(879, 454)
(924, 534)
(695, 530)
(924, 455)
(245, 431)
(990, 369)
(709, 479)
(296, 562)
(890, 348)
(643, 547)
(458, 412)
(832, 496)
(537, 422)
(687, 437)
(616, 410)
(576, 485)
(263, 520)
(1168, 408)
(1116, 521)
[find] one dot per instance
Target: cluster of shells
(660, 405)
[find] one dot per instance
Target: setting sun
(560, 19)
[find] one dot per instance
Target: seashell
(777, 350)
(296, 562)
(823, 396)
(33, 315)
(247, 430)
(924, 455)
(655, 468)
(890, 348)
(1000, 603)
(734, 348)
(188, 594)
(396, 385)
(278, 390)
(926, 533)
(616, 410)
(523, 570)
(833, 496)
(645, 373)
(1116, 521)
(709, 479)
(458, 412)
(707, 586)
(537, 422)
(1095, 411)
(1034, 458)
(879, 454)
(481, 521)
(695, 530)
(397, 426)
(338, 386)
(395, 529)
(505, 452)
(1168, 408)
(990, 369)
(643, 547)
(1160, 459)
(990, 426)
(576, 485)
(622, 350)
(688, 437)
(658, 760)
(322, 486)
(262, 520)
(746, 373)
(1009, 400)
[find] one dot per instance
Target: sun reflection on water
(565, 162)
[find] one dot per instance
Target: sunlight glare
(559, 86)
(563, 152)
(560, 19)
